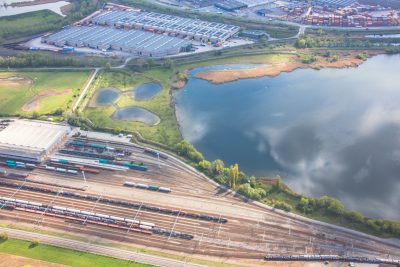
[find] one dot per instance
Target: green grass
(61, 255)
(28, 24)
(166, 132)
(14, 95)
(120, 246)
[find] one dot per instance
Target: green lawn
(61, 255)
(51, 90)
(166, 132)
(27, 24)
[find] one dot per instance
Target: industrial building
(230, 5)
(30, 141)
(199, 30)
(335, 3)
(255, 34)
(137, 42)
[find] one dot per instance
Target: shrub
(3, 236)
(283, 206)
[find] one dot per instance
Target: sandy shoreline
(290, 63)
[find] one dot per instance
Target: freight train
(332, 258)
(89, 217)
(12, 175)
(155, 154)
(86, 154)
(130, 165)
(18, 164)
(148, 187)
(116, 202)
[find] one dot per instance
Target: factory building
(30, 141)
(230, 5)
(335, 3)
(136, 42)
(167, 24)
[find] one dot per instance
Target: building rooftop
(166, 23)
(31, 135)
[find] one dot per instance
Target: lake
(146, 91)
(9, 10)
(106, 96)
(136, 114)
(329, 131)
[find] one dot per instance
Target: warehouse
(139, 43)
(166, 24)
(230, 5)
(30, 141)
(335, 3)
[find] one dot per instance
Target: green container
(153, 188)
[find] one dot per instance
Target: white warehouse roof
(31, 137)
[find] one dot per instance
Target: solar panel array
(132, 41)
(198, 29)
(335, 3)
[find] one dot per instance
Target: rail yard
(117, 191)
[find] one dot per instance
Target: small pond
(136, 114)
(106, 96)
(146, 91)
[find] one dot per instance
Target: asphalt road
(96, 249)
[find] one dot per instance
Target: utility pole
(84, 177)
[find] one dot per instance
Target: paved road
(88, 84)
(96, 249)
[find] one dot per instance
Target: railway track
(208, 234)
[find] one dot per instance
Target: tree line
(281, 197)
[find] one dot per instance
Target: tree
(34, 243)
(35, 115)
(205, 166)
(3, 236)
(186, 149)
(301, 43)
(331, 205)
(217, 167)
(108, 66)
(355, 216)
(233, 175)
(169, 64)
(278, 184)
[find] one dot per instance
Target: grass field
(62, 256)
(166, 132)
(12, 27)
(41, 92)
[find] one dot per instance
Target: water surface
(10, 10)
(146, 91)
(106, 96)
(333, 131)
(136, 114)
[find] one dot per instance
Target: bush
(34, 243)
(3, 236)
(187, 150)
(283, 206)
(253, 193)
